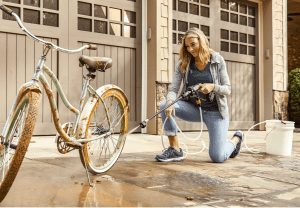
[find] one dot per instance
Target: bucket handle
(269, 133)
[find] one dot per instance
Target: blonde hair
(204, 52)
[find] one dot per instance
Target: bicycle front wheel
(108, 115)
(15, 144)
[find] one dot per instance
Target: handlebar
(6, 9)
(47, 43)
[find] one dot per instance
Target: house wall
(279, 44)
(275, 59)
(160, 67)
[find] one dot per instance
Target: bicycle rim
(17, 140)
(108, 115)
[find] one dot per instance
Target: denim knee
(218, 156)
(161, 106)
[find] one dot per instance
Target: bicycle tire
(86, 154)
(14, 163)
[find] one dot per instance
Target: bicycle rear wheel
(15, 145)
(109, 114)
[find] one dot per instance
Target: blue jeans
(220, 148)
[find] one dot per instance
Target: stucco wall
(164, 72)
(280, 68)
(279, 45)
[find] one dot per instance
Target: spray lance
(190, 92)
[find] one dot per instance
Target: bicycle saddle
(95, 63)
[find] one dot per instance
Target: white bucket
(279, 138)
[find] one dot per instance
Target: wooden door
(20, 54)
(114, 26)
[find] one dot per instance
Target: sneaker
(237, 149)
(169, 155)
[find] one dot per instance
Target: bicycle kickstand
(87, 173)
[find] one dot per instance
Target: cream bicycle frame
(39, 76)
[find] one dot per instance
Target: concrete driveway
(48, 178)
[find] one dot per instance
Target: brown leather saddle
(95, 63)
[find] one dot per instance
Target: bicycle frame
(108, 101)
(39, 77)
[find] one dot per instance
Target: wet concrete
(47, 178)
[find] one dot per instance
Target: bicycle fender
(28, 86)
(85, 114)
(24, 89)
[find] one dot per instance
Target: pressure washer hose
(204, 147)
(185, 149)
(189, 92)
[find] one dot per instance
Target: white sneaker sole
(177, 159)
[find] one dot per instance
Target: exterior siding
(279, 45)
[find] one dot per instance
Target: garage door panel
(21, 54)
(100, 75)
(114, 69)
(3, 78)
(11, 69)
(133, 91)
(122, 73)
(21, 72)
(241, 101)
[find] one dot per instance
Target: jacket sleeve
(223, 87)
(175, 85)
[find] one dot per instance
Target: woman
(200, 64)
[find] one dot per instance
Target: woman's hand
(170, 110)
(206, 88)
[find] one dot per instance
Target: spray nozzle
(143, 124)
(192, 92)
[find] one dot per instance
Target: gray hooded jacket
(220, 79)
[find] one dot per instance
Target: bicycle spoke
(109, 122)
(13, 139)
(113, 142)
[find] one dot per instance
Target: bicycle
(100, 127)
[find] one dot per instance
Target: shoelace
(168, 152)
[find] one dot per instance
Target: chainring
(62, 146)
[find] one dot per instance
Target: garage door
(231, 27)
(112, 25)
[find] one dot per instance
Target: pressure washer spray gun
(191, 92)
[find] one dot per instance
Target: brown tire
(107, 114)
(17, 139)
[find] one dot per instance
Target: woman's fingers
(206, 88)
(169, 111)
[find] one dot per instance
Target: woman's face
(192, 45)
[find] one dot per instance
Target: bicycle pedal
(12, 146)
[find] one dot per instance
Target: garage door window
(45, 12)
(106, 20)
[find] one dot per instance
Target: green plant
(294, 94)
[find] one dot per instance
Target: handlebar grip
(92, 47)
(6, 9)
